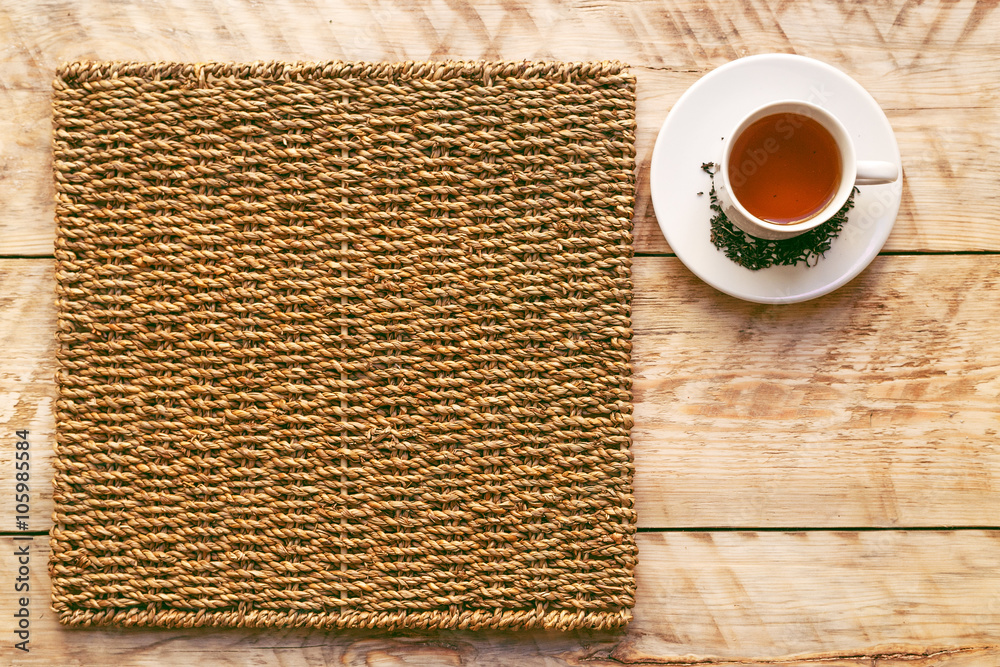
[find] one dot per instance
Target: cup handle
(871, 172)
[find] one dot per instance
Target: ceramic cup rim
(848, 162)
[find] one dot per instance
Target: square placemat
(344, 344)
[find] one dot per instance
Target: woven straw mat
(344, 345)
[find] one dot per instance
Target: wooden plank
(891, 598)
(27, 208)
(812, 595)
(27, 384)
(949, 188)
(930, 65)
(948, 199)
(876, 405)
(885, 44)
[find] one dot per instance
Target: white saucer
(692, 134)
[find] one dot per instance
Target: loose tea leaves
(756, 253)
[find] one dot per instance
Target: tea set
(785, 127)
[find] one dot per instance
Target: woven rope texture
(344, 345)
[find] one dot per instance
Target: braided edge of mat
(84, 72)
(89, 72)
(473, 620)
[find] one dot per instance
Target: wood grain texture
(887, 598)
(927, 64)
(27, 383)
(874, 406)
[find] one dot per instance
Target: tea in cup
(788, 167)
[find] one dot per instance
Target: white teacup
(852, 173)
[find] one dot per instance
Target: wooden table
(817, 484)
